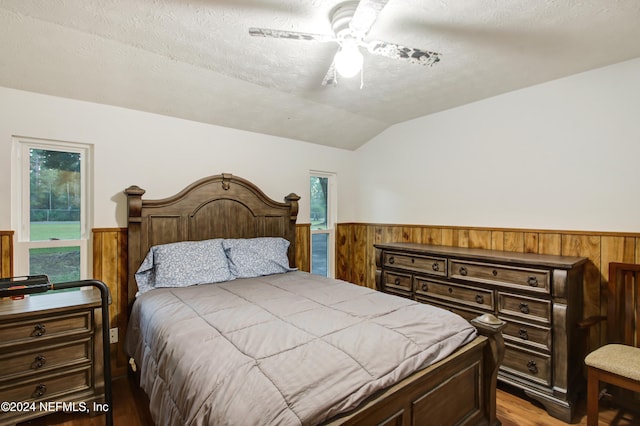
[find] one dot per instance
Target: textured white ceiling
(194, 59)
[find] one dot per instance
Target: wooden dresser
(50, 354)
(539, 296)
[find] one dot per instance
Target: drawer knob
(38, 362)
(397, 281)
(39, 391)
(532, 366)
(450, 290)
(39, 330)
(435, 266)
(532, 281)
(463, 271)
(524, 334)
(425, 287)
(479, 299)
(495, 272)
(524, 308)
(392, 260)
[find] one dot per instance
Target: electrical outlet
(113, 335)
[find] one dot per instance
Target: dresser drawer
(528, 364)
(527, 334)
(425, 265)
(44, 328)
(397, 281)
(521, 278)
(524, 307)
(48, 387)
(472, 296)
(44, 358)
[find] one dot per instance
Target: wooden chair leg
(593, 394)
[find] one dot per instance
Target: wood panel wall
(355, 252)
(110, 267)
(6, 254)
(355, 257)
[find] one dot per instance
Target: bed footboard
(459, 390)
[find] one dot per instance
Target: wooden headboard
(220, 206)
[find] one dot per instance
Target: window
(50, 208)
(322, 211)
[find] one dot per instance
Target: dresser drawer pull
(39, 391)
(524, 334)
(532, 281)
(435, 267)
(531, 365)
(392, 260)
(463, 271)
(495, 272)
(524, 308)
(38, 362)
(39, 330)
(479, 299)
(397, 281)
(425, 287)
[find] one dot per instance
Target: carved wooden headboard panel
(220, 206)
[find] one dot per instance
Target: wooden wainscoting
(6, 254)
(355, 256)
(355, 260)
(110, 267)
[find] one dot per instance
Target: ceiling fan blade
(365, 15)
(409, 54)
(330, 76)
(292, 35)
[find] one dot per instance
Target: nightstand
(51, 353)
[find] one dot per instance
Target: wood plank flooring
(514, 409)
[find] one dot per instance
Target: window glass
(320, 254)
(322, 206)
(54, 195)
(319, 187)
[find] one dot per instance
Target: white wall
(560, 155)
(161, 154)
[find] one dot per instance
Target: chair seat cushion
(622, 360)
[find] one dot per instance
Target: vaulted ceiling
(195, 59)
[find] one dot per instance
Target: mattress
(283, 349)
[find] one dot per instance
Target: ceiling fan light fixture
(348, 61)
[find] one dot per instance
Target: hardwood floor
(130, 409)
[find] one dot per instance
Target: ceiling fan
(351, 22)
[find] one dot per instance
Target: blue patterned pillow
(254, 257)
(183, 264)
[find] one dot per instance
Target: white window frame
(332, 215)
(21, 214)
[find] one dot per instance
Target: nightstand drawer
(472, 296)
(44, 328)
(527, 334)
(532, 365)
(426, 265)
(45, 358)
(49, 387)
(524, 307)
(522, 278)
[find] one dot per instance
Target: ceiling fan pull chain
(361, 78)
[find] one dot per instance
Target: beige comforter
(283, 349)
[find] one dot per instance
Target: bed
(255, 341)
